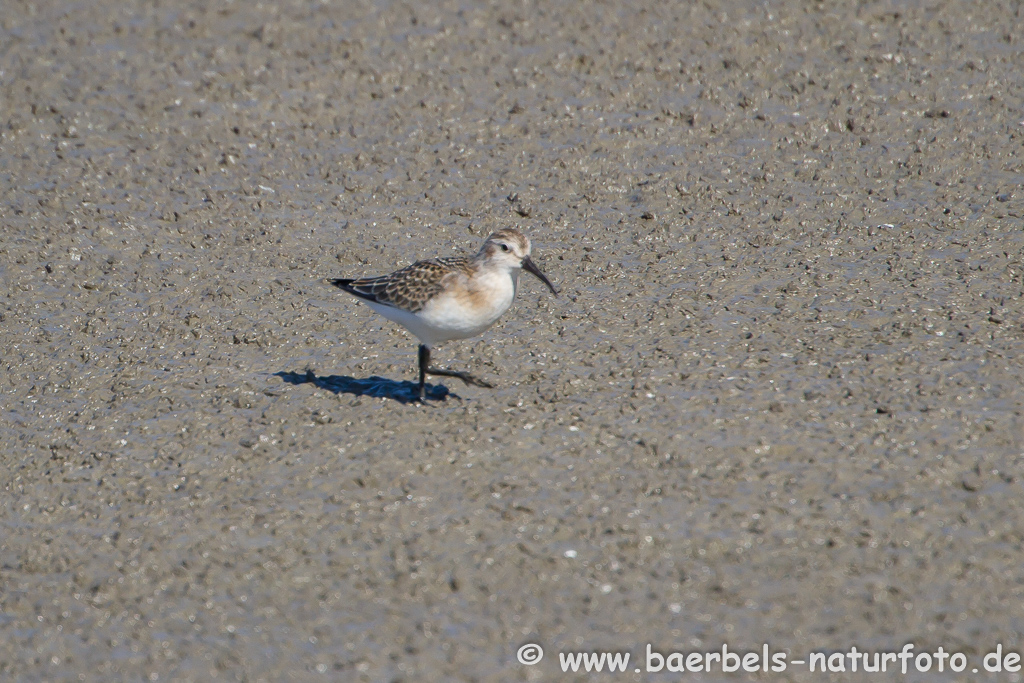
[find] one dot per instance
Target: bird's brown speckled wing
(408, 288)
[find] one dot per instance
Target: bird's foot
(464, 376)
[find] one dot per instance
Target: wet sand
(779, 401)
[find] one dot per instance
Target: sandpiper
(442, 299)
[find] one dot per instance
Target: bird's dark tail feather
(346, 284)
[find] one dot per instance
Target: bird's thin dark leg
(424, 362)
(464, 376)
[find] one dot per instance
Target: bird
(448, 298)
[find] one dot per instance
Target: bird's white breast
(467, 307)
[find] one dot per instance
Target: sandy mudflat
(780, 400)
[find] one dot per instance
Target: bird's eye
(504, 247)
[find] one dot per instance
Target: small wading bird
(442, 299)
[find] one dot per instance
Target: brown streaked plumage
(408, 288)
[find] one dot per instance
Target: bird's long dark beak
(530, 267)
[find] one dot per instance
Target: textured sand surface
(779, 400)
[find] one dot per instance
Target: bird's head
(510, 248)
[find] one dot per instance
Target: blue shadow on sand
(374, 387)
